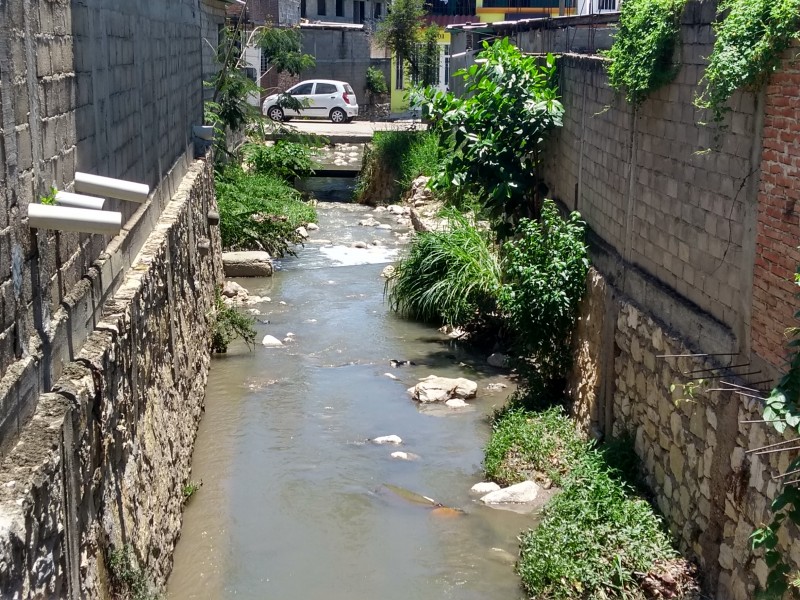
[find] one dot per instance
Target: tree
(400, 31)
(283, 49)
(497, 130)
(427, 57)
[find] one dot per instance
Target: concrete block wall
(777, 255)
(676, 223)
(103, 461)
(111, 88)
(341, 54)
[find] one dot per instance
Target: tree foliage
(399, 31)
(495, 132)
(642, 57)
(283, 49)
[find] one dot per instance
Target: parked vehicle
(319, 98)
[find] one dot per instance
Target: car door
(302, 92)
(325, 98)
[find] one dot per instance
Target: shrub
(260, 212)
(376, 82)
(448, 276)
(642, 57)
(128, 580)
(595, 540)
(525, 445)
(229, 324)
(283, 159)
(544, 270)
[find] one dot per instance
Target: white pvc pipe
(107, 186)
(204, 132)
(64, 218)
(79, 201)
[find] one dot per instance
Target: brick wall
(777, 256)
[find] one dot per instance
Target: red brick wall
(778, 235)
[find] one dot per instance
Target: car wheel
(275, 113)
(338, 115)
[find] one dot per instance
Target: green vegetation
(402, 33)
(751, 35)
(448, 277)
(229, 324)
(782, 411)
(493, 135)
(260, 212)
(596, 539)
(128, 580)
(190, 489)
(643, 54)
(525, 445)
(50, 197)
(376, 82)
(544, 273)
(287, 160)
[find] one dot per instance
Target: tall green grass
(448, 276)
(260, 212)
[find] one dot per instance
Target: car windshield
(300, 88)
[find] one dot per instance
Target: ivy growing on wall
(782, 411)
(643, 54)
(751, 35)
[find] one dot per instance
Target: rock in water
(484, 487)
(247, 264)
(442, 389)
(387, 439)
(271, 341)
(520, 493)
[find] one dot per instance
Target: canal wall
(103, 340)
(694, 252)
(104, 460)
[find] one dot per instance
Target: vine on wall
(751, 35)
(643, 54)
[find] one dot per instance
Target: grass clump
(260, 212)
(129, 581)
(525, 445)
(448, 276)
(596, 540)
(229, 324)
(190, 489)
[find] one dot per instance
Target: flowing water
(295, 503)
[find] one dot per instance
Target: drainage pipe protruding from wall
(65, 218)
(79, 201)
(97, 185)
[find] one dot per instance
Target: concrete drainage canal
(297, 498)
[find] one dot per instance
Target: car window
(301, 89)
(326, 88)
(348, 89)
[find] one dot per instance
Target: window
(607, 4)
(301, 89)
(325, 88)
(321, 8)
(302, 9)
(377, 12)
(339, 8)
(398, 73)
(358, 11)
(446, 61)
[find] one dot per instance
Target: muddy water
(294, 502)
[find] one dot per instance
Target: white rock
(497, 360)
(520, 493)
(302, 232)
(404, 455)
(484, 487)
(390, 376)
(231, 289)
(456, 403)
(395, 209)
(247, 264)
(496, 386)
(271, 341)
(312, 227)
(441, 389)
(377, 243)
(387, 439)
(384, 226)
(359, 245)
(388, 271)
(369, 222)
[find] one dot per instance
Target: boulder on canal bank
(520, 493)
(442, 389)
(247, 264)
(484, 487)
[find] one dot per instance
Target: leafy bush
(229, 324)
(128, 580)
(750, 37)
(544, 271)
(642, 57)
(287, 160)
(526, 445)
(595, 540)
(448, 276)
(493, 135)
(376, 82)
(260, 212)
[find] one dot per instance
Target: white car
(321, 98)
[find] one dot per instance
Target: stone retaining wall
(105, 457)
(695, 443)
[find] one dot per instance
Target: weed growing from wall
(643, 54)
(751, 35)
(229, 324)
(129, 580)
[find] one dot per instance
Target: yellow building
(493, 11)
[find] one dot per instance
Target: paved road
(353, 132)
